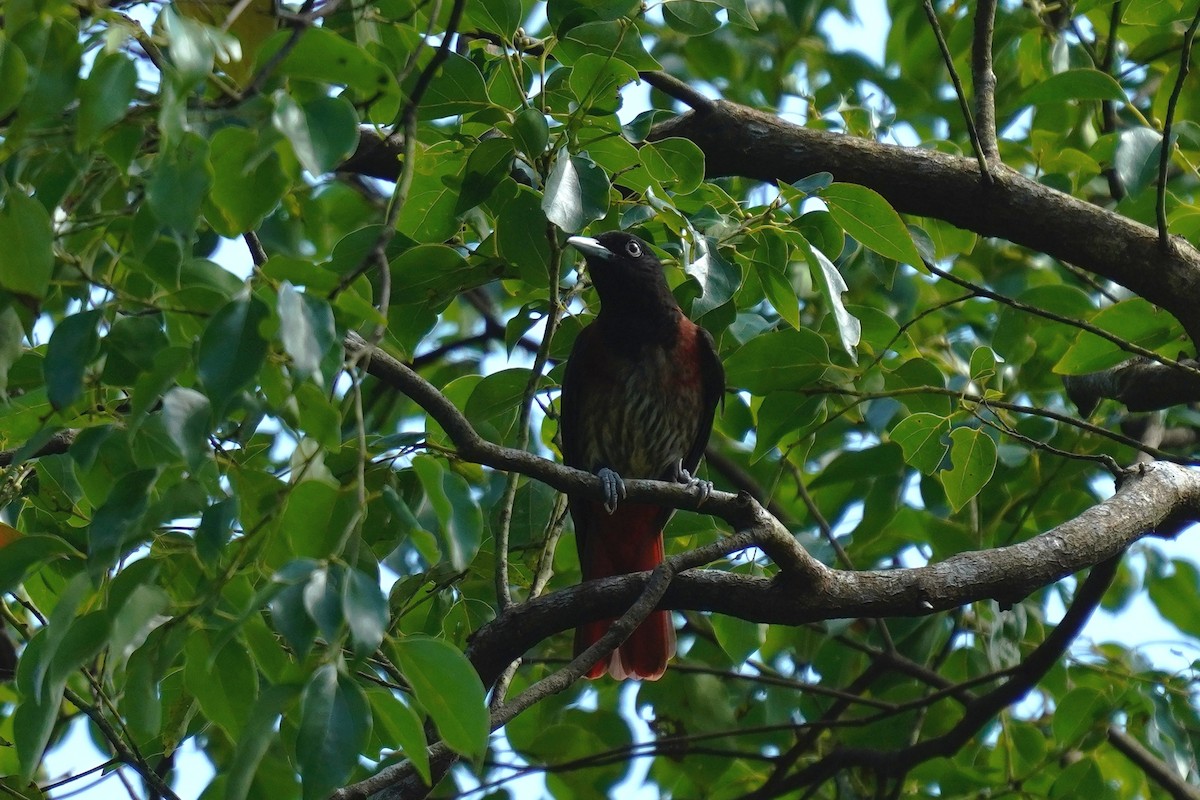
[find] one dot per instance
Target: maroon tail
(629, 540)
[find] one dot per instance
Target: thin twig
(1123, 344)
(1154, 767)
(948, 58)
(503, 590)
(984, 79)
(1164, 157)
(1108, 109)
(258, 253)
(673, 87)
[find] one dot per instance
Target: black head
(624, 270)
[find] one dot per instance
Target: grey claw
(703, 488)
(614, 488)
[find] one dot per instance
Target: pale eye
(634, 249)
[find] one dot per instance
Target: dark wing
(712, 385)
(570, 401)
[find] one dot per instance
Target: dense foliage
(207, 483)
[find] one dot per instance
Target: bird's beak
(590, 247)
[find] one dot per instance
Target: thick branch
(805, 590)
(1137, 384)
(1006, 574)
(737, 140)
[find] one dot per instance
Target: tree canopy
(285, 303)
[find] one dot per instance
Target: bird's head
(623, 268)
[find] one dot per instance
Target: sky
(1140, 623)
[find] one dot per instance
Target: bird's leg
(614, 488)
(703, 488)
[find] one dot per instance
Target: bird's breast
(641, 410)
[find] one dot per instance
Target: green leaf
(739, 13)
(461, 521)
(923, 438)
(833, 286)
(306, 330)
(179, 182)
(14, 76)
(487, 166)
(28, 245)
(1134, 320)
(232, 349)
(461, 716)
(322, 132)
(782, 415)
(520, 231)
(596, 81)
(429, 213)
(257, 736)
(431, 274)
(618, 39)
(779, 293)
(691, 17)
(501, 17)
(866, 216)
(497, 393)
(248, 180)
(1074, 84)
(1137, 158)
(187, 416)
(74, 345)
(315, 520)
(25, 553)
(366, 611)
(398, 724)
(530, 131)
(458, 88)
(1174, 595)
(335, 722)
(1077, 713)
(973, 456)
(322, 55)
(117, 523)
(576, 192)
(676, 163)
(104, 97)
(323, 600)
(718, 277)
(194, 47)
(779, 360)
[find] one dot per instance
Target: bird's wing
(712, 385)
(570, 402)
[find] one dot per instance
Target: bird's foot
(703, 488)
(614, 488)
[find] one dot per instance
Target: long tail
(629, 540)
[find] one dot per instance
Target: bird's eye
(634, 249)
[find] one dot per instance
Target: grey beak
(590, 247)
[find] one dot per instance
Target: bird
(639, 394)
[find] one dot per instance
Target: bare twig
(1095, 330)
(984, 79)
(948, 58)
(1154, 767)
(1185, 65)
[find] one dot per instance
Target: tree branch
(1164, 157)
(981, 156)
(984, 80)
(1139, 384)
(895, 763)
(738, 140)
(1154, 767)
